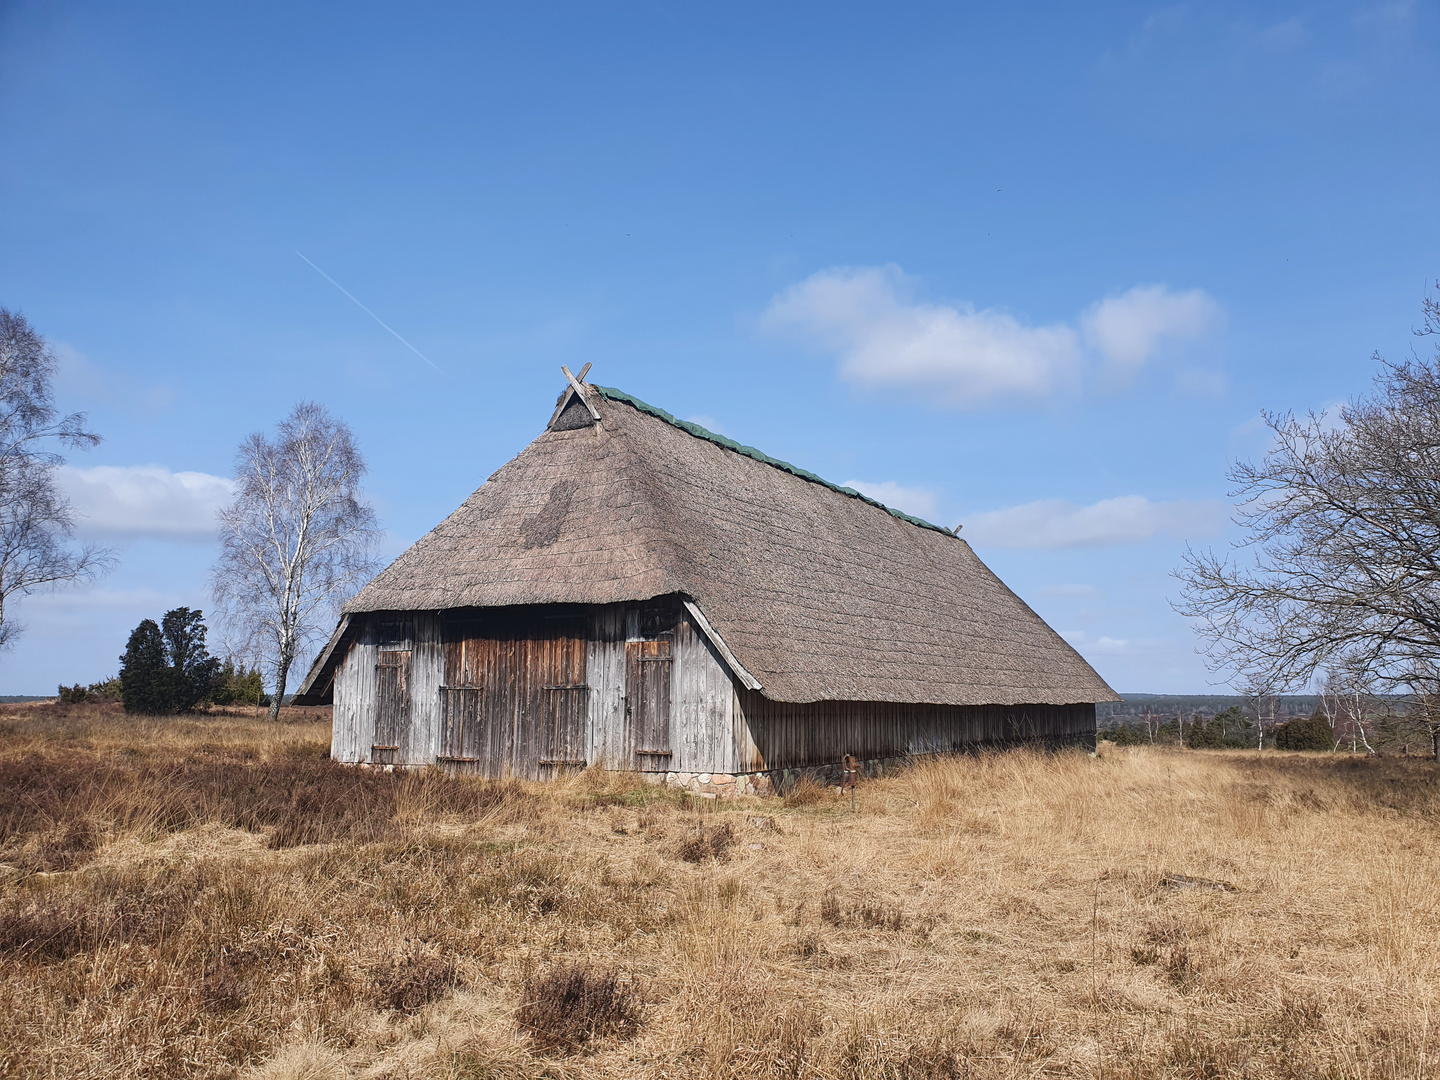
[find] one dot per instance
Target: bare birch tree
(297, 541)
(1151, 722)
(1340, 565)
(1347, 703)
(1265, 703)
(36, 521)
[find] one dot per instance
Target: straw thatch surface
(820, 594)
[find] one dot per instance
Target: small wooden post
(852, 768)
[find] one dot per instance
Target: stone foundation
(773, 782)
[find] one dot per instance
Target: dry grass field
(212, 897)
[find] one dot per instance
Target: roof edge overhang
(713, 636)
(319, 685)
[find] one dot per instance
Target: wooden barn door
(647, 702)
(476, 722)
(392, 692)
(563, 702)
(515, 697)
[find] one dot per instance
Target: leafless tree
(1340, 565)
(1420, 704)
(35, 520)
(297, 541)
(1265, 704)
(1332, 704)
(1347, 703)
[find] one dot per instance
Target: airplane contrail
(372, 314)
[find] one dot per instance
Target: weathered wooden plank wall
(821, 733)
(353, 713)
(427, 670)
(503, 693)
(708, 723)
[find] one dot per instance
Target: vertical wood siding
(704, 706)
(353, 732)
(427, 669)
(605, 672)
(514, 700)
(821, 733)
(530, 692)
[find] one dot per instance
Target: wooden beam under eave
(713, 636)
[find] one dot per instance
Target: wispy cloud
(81, 377)
(1102, 646)
(144, 501)
(1056, 523)
(1130, 329)
(912, 500)
(871, 320)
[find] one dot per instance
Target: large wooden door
(393, 639)
(478, 718)
(515, 696)
(647, 702)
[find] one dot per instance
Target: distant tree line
(1355, 725)
(1135, 706)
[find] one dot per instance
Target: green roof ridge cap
(609, 393)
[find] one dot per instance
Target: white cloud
(1055, 523)
(917, 501)
(883, 336)
(1128, 330)
(144, 500)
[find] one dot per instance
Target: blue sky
(1034, 269)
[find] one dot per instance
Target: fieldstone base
(773, 782)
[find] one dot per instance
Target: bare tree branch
(35, 520)
(1339, 569)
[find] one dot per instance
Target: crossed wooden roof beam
(575, 390)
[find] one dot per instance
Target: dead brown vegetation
(213, 897)
(570, 1005)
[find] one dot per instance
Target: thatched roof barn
(628, 564)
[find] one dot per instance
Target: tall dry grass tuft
(213, 897)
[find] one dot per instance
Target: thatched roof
(819, 592)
